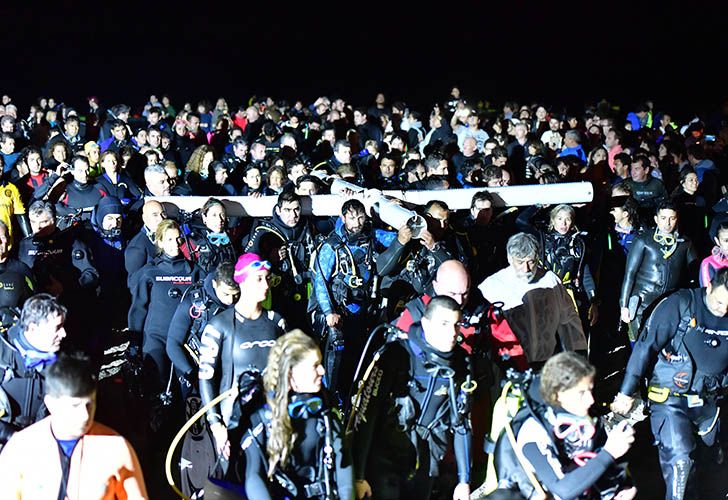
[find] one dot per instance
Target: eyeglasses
(308, 407)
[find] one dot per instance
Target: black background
(554, 52)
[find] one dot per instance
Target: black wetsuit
(305, 466)
(140, 251)
(155, 293)
(684, 345)
(16, 283)
(402, 426)
(232, 344)
(199, 305)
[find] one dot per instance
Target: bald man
(452, 279)
(141, 248)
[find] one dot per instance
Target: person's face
(521, 132)
(505, 179)
(690, 183)
(226, 294)
(153, 118)
(215, 219)
(525, 267)
(165, 142)
(599, 155)
(578, 399)
(206, 160)
(473, 120)
(80, 172)
(240, 150)
(354, 221)
(562, 222)
(441, 331)
(500, 161)
(41, 224)
(482, 212)
(154, 138)
(71, 417)
(541, 113)
(170, 242)
(111, 221)
(275, 180)
(258, 152)
(93, 154)
(8, 146)
(46, 336)
(119, 133)
(4, 244)
(359, 118)
(194, 123)
(573, 122)
(439, 216)
(619, 214)
(441, 169)
(297, 171)
(417, 174)
(221, 176)
(469, 146)
(152, 214)
(255, 287)
(290, 213)
(343, 154)
(454, 287)
(307, 188)
(158, 184)
(722, 240)
(59, 154)
(611, 139)
(252, 178)
(307, 374)
(716, 299)
(554, 124)
(666, 220)
(72, 128)
(638, 172)
(388, 167)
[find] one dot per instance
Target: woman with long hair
(156, 290)
(198, 169)
(294, 447)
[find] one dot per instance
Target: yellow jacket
(103, 466)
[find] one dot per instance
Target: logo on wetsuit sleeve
(208, 352)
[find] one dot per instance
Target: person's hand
(622, 404)
(333, 320)
(620, 439)
(624, 315)
(461, 492)
(256, 194)
(593, 314)
(627, 494)
(222, 443)
(427, 239)
(283, 253)
(363, 490)
(404, 235)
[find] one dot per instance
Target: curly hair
(195, 162)
(289, 350)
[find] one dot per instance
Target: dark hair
(353, 206)
(665, 205)
(435, 203)
(287, 197)
(481, 196)
(441, 301)
(561, 373)
(412, 165)
(212, 202)
(624, 158)
(39, 308)
(644, 161)
(70, 375)
(224, 274)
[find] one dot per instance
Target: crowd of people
(341, 357)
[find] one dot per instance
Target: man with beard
(345, 288)
(536, 308)
(286, 240)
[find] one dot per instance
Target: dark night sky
(510, 50)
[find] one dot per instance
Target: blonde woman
(295, 436)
